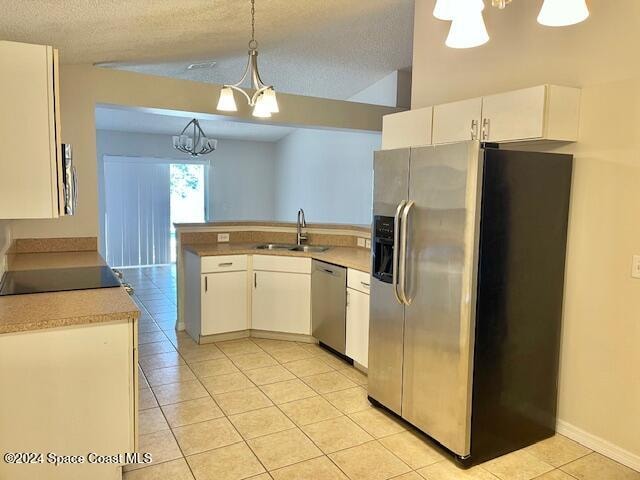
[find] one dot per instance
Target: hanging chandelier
(264, 100)
(467, 23)
(195, 144)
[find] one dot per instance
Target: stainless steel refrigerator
(466, 296)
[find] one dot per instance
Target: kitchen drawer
(274, 263)
(358, 280)
(223, 263)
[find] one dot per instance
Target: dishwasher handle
(329, 269)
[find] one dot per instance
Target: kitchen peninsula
(253, 279)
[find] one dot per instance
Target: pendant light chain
(253, 45)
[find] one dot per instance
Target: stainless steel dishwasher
(329, 304)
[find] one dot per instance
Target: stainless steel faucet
(301, 223)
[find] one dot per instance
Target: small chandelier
(195, 144)
(467, 23)
(263, 101)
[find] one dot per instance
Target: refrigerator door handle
(403, 253)
(396, 246)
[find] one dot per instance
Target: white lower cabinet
(69, 390)
(281, 297)
(215, 294)
(224, 302)
(357, 342)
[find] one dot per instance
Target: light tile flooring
(267, 409)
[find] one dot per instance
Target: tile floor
(267, 409)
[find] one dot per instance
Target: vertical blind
(137, 211)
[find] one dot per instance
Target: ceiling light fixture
(195, 145)
(264, 100)
(467, 27)
(467, 23)
(561, 13)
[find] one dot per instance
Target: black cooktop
(57, 280)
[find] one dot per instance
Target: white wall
(242, 181)
(241, 177)
(328, 174)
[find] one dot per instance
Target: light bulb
(227, 103)
(449, 9)
(467, 30)
(560, 13)
(260, 109)
(270, 101)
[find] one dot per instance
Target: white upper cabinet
(457, 121)
(545, 112)
(407, 129)
(31, 163)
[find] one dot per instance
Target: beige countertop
(350, 257)
(22, 313)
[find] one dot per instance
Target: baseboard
(290, 337)
(599, 445)
(223, 337)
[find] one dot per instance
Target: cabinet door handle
(255, 280)
(348, 296)
(486, 124)
(206, 284)
(365, 284)
(226, 264)
(474, 129)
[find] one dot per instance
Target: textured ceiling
(136, 121)
(324, 48)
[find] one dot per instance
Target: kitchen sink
(309, 248)
(275, 246)
(292, 248)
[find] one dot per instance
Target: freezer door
(440, 284)
(386, 321)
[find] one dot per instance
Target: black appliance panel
(20, 282)
(523, 232)
(383, 232)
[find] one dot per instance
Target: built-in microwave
(69, 180)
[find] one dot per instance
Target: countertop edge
(38, 325)
(248, 250)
